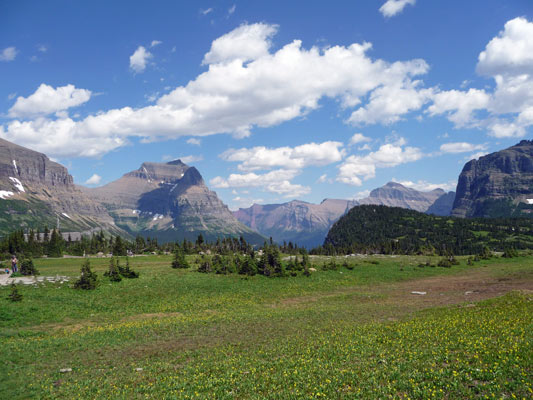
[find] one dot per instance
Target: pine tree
(55, 246)
(113, 272)
(27, 267)
(126, 271)
(179, 260)
(119, 248)
(88, 279)
(14, 295)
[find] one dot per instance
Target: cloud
(361, 195)
(232, 9)
(475, 156)
(155, 43)
(206, 11)
(508, 59)
(93, 180)
(48, 100)
(194, 141)
(461, 147)
(190, 159)
(247, 42)
(393, 7)
(277, 181)
(8, 54)
(298, 157)
(42, 48)
(355, 169)
(359, 138)
(322, 179)
(139, 59)
(459, 105)
(388, 103)
(511, 52)
(425, 186)
(246, 85)
(243, 202)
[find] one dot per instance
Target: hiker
(14, 262)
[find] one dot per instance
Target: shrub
(14, 295)
(27, 267)
(510, 253)
(205, 264)
(445, 263)
(88, 279)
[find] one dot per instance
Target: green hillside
(392, 230)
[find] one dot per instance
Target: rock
(138, 369)
(499, 184)
(419, 293)
(64, 370)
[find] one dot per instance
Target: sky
(270, 100)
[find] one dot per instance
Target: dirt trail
(468, 286)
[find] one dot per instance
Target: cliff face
(303, 223)
(497, 185)
(169, 201)
(443, 205)
(396, 195)
(35, 191)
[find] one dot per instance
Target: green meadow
(356, 332)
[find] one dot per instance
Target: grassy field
(356, 333)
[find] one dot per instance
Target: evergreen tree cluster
(393, 230)
(267, 263)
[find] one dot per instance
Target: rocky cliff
(35, 191)
(169, 201)
(497, 185)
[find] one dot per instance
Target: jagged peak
(177, 162)
(192, 177)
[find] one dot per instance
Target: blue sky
(270, 100)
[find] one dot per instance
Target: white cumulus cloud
(505, 111)
(355, 169)
(234, 95)
(359, 138)
(393, 7)
(8, 54)
(47, 100)
(298, 157)
(247, 42)
(461, 147)
(139, 59)
(95, 179)
(425, 186)
(277, 181)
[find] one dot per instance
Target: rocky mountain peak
(499, 184)
(394, 194)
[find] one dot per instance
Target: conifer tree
(88, 279)
(14, 295)
(179, 260)
(113, 272)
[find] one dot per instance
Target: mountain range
(170, 201)
(307, 224)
